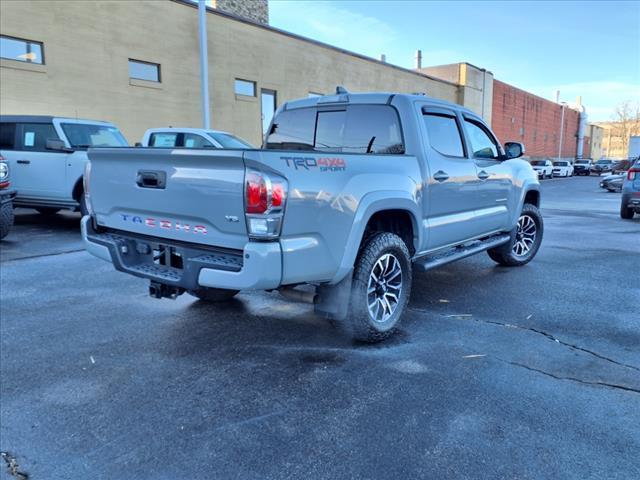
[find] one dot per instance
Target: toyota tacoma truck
(350, 194)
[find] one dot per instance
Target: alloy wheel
(384, 287)
(526, 232)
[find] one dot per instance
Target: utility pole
(204, 63)
(564, 104)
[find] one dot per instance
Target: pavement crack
(548, 336)
(43, 255)
(573, 379)
(13, 467)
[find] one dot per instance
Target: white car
(192, 138)
(562, 169)
(544, 168)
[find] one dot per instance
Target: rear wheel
(381, 288)
(6, 219)
(213, 295)
(626, 212)
(47, 210)
(525, 239)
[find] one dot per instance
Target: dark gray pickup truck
(351, 194)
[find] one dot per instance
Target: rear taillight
(265, 197)
(85, 183)
(632, 173)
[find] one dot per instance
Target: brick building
(521, 116)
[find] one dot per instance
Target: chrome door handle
(440, 176)
(24, 162)
(483, 175)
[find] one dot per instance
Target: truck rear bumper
(257, 267)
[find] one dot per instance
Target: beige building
(615, 138)
(595, 134)
(135, 63)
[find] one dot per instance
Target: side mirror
(58, 145)
(513, 150)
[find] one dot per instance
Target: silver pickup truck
(350, 194)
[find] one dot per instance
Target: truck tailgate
(187, 195)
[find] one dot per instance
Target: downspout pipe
(582, 127)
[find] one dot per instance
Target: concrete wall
(475, 85)
(593, 142)
(87, 46)
(520, 116)
(256, 10)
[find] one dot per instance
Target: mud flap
(333, 300)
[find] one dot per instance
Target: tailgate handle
(151, 179)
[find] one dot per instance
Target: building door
(268, 102)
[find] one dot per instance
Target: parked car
(544, 168)
(613, 183)
(350, 194)
(47, 156)
(630, 202)
(622, 166)
(6, 199)
(192, 138)
(562, 169)
(582, 167)
(601, 166)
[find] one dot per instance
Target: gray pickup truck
(350, 194)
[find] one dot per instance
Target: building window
(245, 87)
(144, 71)
(21, 50)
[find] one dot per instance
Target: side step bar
(458, 253)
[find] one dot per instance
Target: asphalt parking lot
(530, 372)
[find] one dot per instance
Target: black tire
(83, 206)
(47, 210)
(6, 219)
(505, 254)
(360, 323)
(626, 212)
(213, 295)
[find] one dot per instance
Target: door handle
(482, 175)
(440, 176)
(24, 162)
(151, 179)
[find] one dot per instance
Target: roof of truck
(43, 119)
(369, 98)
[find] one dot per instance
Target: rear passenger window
(163, 139)
(293, 130)
(7, 136)
(444, 135)
(356, 129)
(372, 129)
(35, 136)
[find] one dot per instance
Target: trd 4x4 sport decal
(323, 164)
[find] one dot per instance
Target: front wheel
(525, 240)
(213, 295)
(380, 289)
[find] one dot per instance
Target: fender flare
(371, 204)
(528, 185)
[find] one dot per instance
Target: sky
(587, 48)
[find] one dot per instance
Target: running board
(458, 253)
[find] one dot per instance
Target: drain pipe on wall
(204, 63)
(582, 126)
(564, 104)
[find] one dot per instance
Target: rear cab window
(364, 129)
